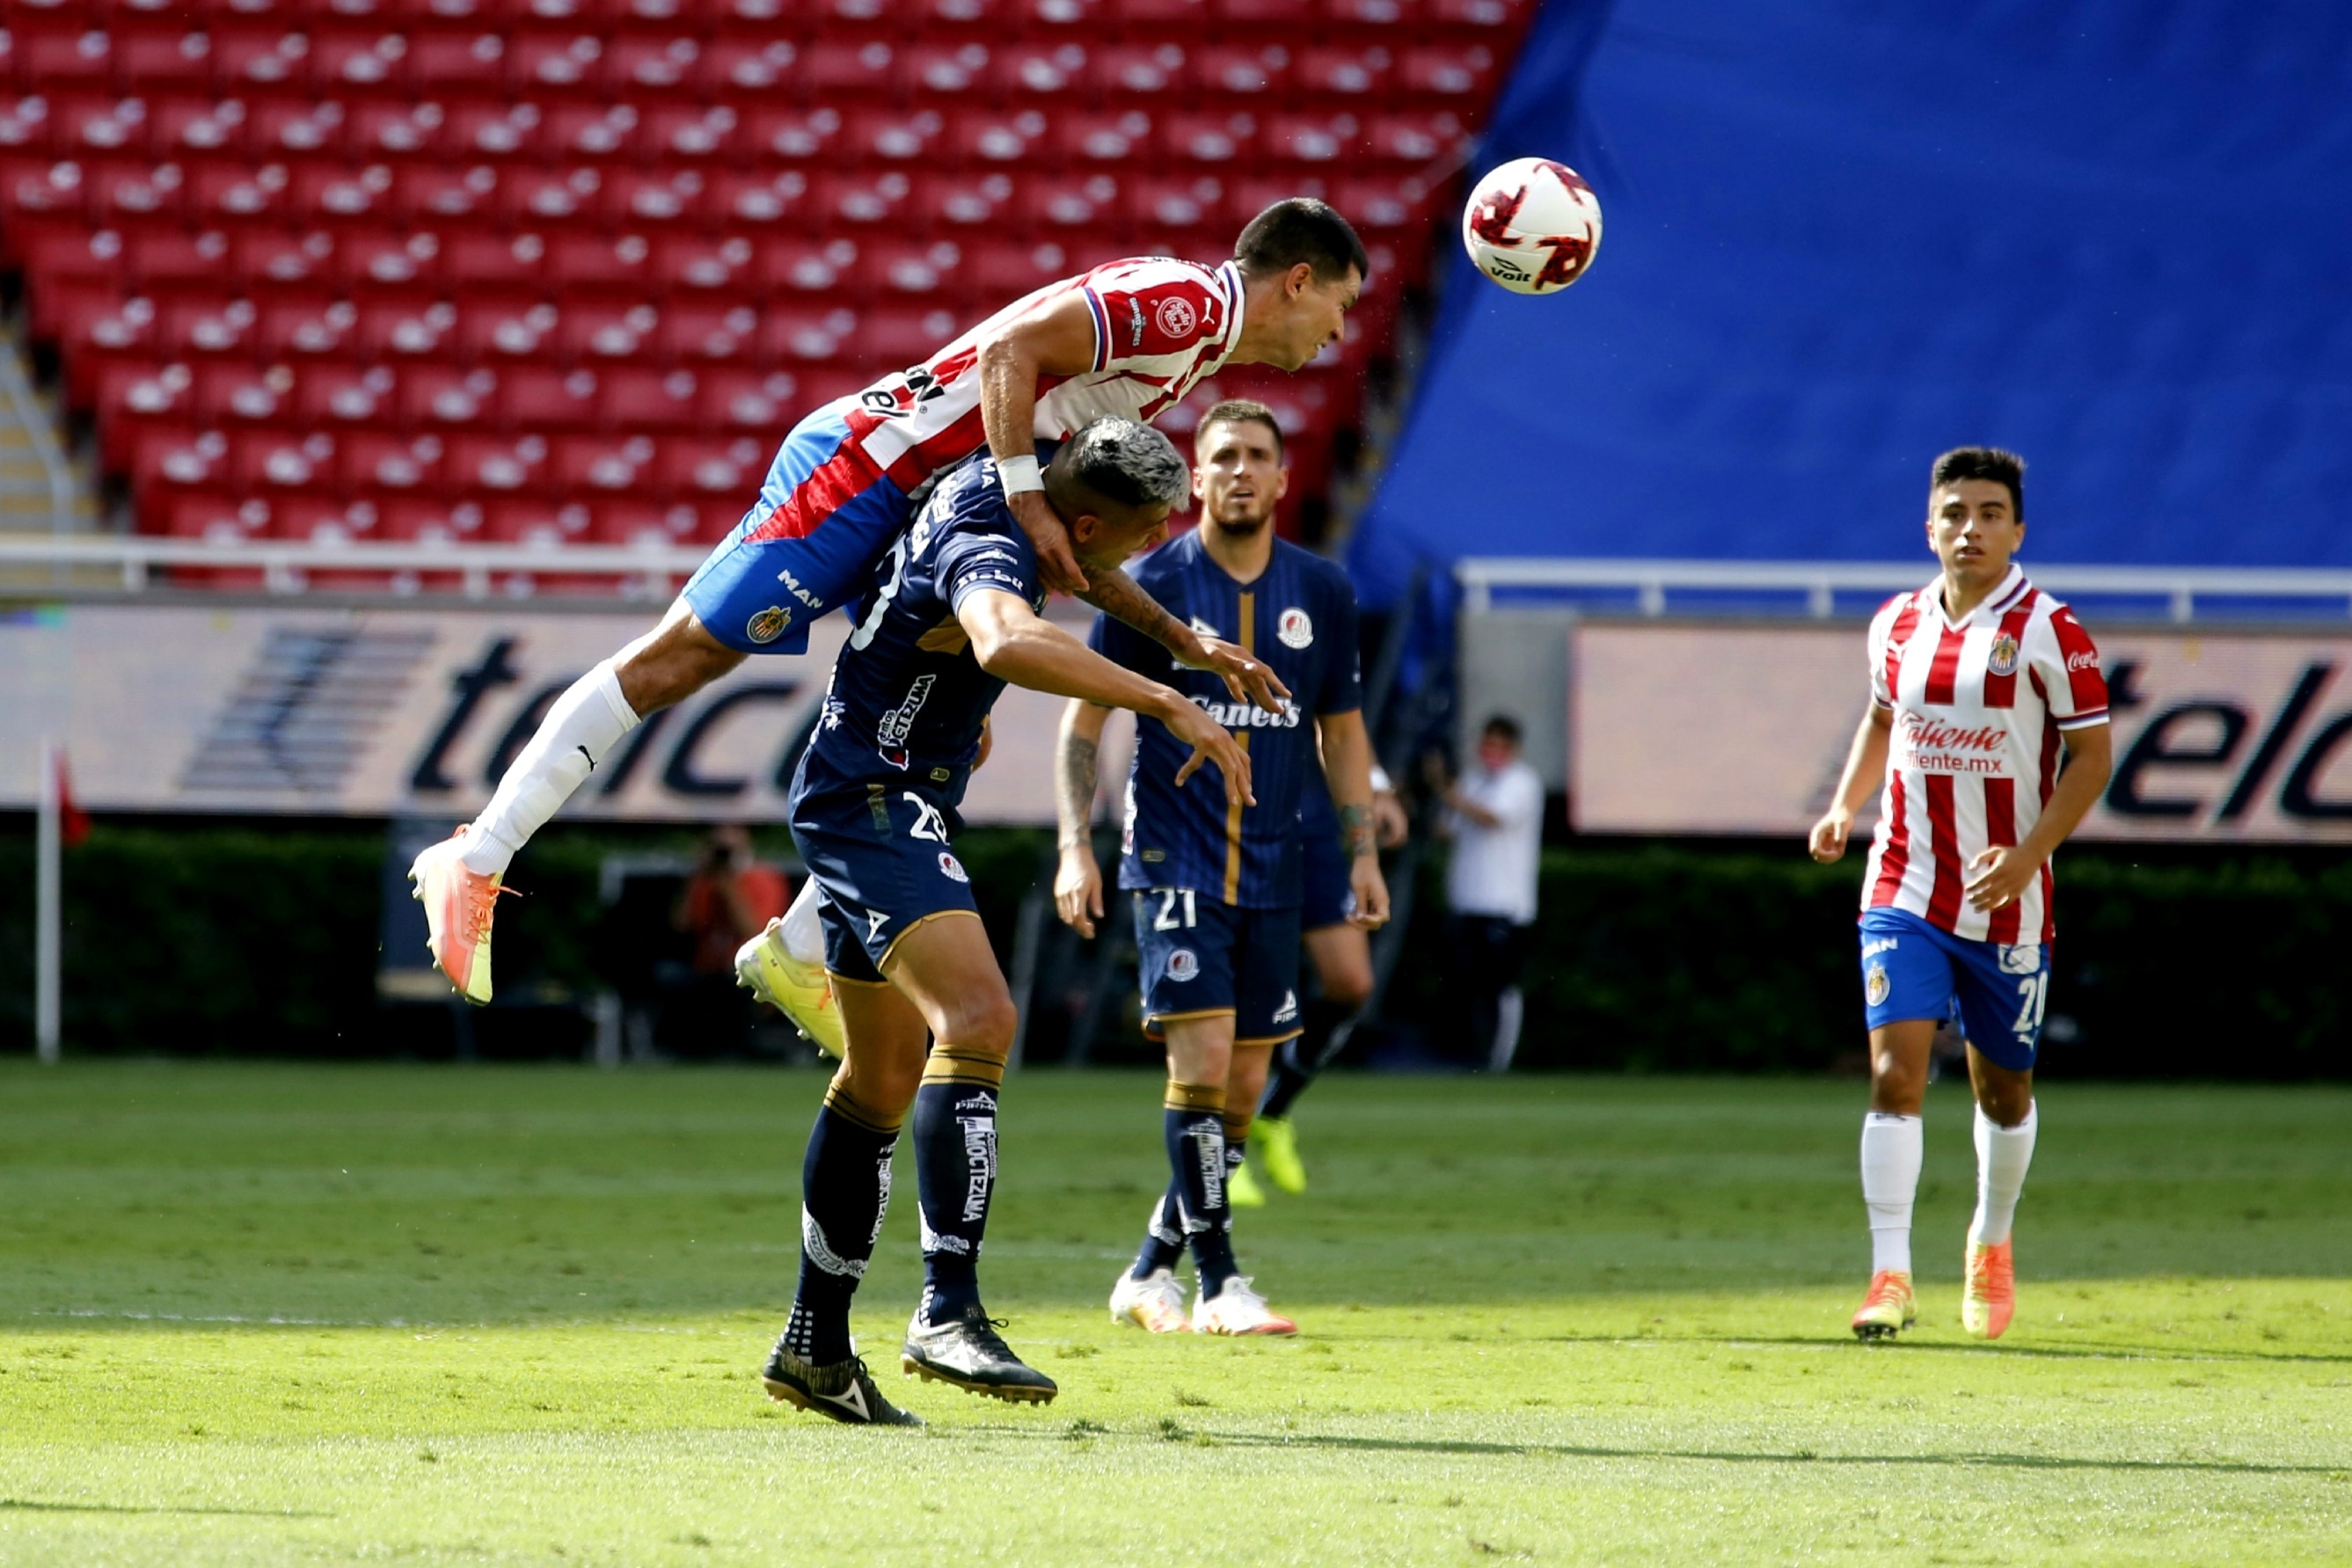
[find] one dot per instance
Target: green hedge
(249, 942)
(1686, 958)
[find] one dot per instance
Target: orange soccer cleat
(1238, 1310)
(1888, 1308)
(459, 903)
(1988, 1292)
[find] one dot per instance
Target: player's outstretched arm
(1077, 881)
(1865, 768)
(1348, 769)
(1246, 679)
(2003, 872)
(1056, 338)
(1014, 644)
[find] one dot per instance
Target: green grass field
(272, 1314)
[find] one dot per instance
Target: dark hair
(1297, 229)
(1239, 411)
(1982, 462)
(1124, 463)
(1501, 724)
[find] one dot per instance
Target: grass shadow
(29, 1505)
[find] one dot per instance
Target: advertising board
(1742, 728)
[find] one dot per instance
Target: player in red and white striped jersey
(1988, 724)
(1128, 340)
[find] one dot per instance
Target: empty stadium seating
(539, 270)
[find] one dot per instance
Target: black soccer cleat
(841, 1390)
(965, 1350)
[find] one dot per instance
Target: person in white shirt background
(1493, 814)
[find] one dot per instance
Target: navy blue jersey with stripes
(907, 698)
(1299, 617)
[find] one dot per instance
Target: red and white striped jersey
(1161, 327)
(1979, 705)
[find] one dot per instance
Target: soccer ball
(1532, 225)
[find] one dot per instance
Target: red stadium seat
(744, 69)
(346, 61)
(448, 398)
(1042, 73)
(1074, 202)
(1117, 136)
(370, 259)
(208, 327)
(446, 62)
(332, 193)
(964, 205)
(1415, 139)
(696, 333)
(135, 393)
(488, 259)
(753, 403)
(483, 129)
(195, 127)
(1367, 14)
(604, 330)
(408, 327)
(1185, 211)
(271, 462)
(556, 63)
(593, 466)
(1313, 138)
(346, 396)
(908, 268)
(869, 198)
(956, 72)
(488, 465)
(850, 73)
(1243, 70)
(164, 57)
(987, 18)
(595, 261)
(1226, 137)
(510, 328)
(1142, 73)
(986, 139)
(392, 130)
(646, 398)
(691, 264)
(1356, 72)
(65, 53)
(249, 58)
(382, 464)
(549, 196)
(229, 394)
(135, 192)
(1065, 15)
(55, 252)
(909, 136)
(760, 203)
(686, 133)
(1458, 71)
(71, 126)
(653, 66)
(791, 135)
(302, 323)
(586, 132)
(792, 333)
(710, 468)
(795, 266)
(1292, 17)
(531, 397)
(1163, 15)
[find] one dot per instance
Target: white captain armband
(1018, 474)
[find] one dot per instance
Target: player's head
(1976, 510)
(1499, 742)
(1237, 468)
(1113, 484)
(1303, 267)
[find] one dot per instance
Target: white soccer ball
(1532, 225)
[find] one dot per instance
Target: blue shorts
(1323, 870)
(1911, 970)
(1200, 958)
(759, 595)
(880, 853)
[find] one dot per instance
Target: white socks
(586, 722)
(1892, 1147)
(2003, 1156)
(803, 933)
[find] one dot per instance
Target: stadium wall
(262, 940)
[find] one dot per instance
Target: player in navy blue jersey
(1341, 953)
(951, 616)
(1216, 883)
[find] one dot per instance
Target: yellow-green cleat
(1888, 1308)
(799, 990)
(1276, 1142)
(1242, 1189)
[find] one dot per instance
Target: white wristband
(1018, 474)
(1381, 783)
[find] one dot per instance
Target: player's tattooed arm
(1054, 339)
(1077, 880)
(1246, 679)
(1356, 837)
(1348, 769)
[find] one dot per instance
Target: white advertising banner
(387, 712)
(1683, 728)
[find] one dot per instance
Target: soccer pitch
(285, 1314)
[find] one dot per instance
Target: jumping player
(950, 617)
(1216, 886)
(1977, 682)
(1341, 953)
(1127, 339)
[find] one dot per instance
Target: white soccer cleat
(459, 904)
(767, 969)
(1156, 1303)
(1238, 1310)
